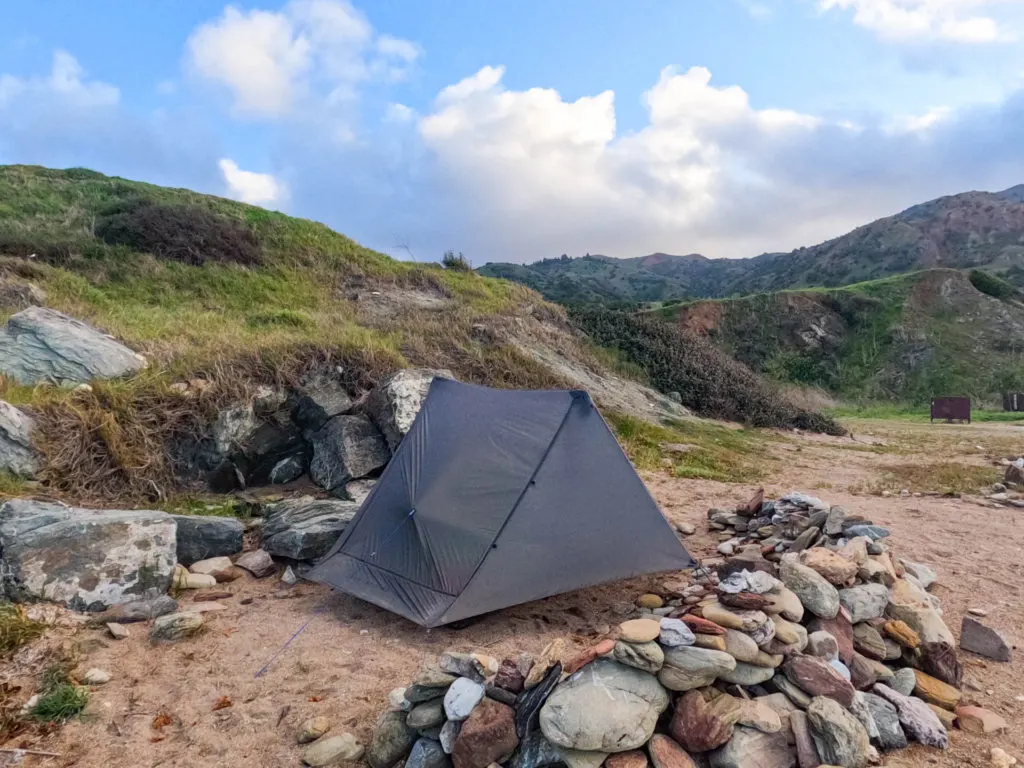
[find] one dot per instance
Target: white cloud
(399, 113)
(920, 123)
(274, 62)
(65, 81)
(249, 186)
(960, 21)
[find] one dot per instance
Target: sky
(515, 130)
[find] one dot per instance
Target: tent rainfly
(495, 498)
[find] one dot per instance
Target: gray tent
(498, 497)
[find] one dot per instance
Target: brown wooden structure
(952, 409)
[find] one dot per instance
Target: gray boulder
(865, 602)
(750, 747)
(919, 722)
(17, 454)
(606, 707)
(320, 398)
(887, 722)
(202, 537)
(394, 403)
(305, 528)
(42, 345)
(346, 448)
(838, 735)
(687, 667)
(85, 559)
(815, 592)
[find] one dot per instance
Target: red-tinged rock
(939, 660)
(862, 672)
(806, 749)
(580, 661)
(635, 758)
(840, 628)
(746, 601)
(666, 753)
(488, 736)
(752, 507)
(979, 720)
(818, 678)
(703, 626)
(509, 676)
(698, 726)
(205, 597)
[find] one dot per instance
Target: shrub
(710, 382)
(991, 285)
(187, 233)
(455, 262)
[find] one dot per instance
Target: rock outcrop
(18, 455)
(305, 528)
(394, 403)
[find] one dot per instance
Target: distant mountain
(972, 229)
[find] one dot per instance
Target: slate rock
(531, 701)
(333, 750)
(173, 627)
(923, 573)
(39, 345)
(427, 753)
(887, 721)
(873, 532)
(427, 714)
(904, 681)
(394, 403)
(85, 559)
(500, 694)
(258, 563)
(666, 753)
(868, 641)
(815, 592)
(140, 610)
(319, 398)
(305, 528)
(984, 641)
(449, 733)
(940, 660)
(648, 657)
(840, 628)
(475, 666)
(688, 667)
(487, 736)
(18, 455)
(675, 633)
(750, 747)
(838, 735)
(606, 707)
(346, 448)
(510, 677)
(793, 692)
(286, 470)
(392, 740)
(806, 749)
(864, 602)
(917, 719)
(535, 751)
(818, 678)
(700, 727)
(202, 537)
(461, 697)
(748, 674)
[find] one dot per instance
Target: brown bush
(187, 233)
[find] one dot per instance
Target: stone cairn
(810, 644)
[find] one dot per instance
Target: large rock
(648, 657)
(346, 448)
(815, 592)
(918, 720)
(394, 403)
(887, 721)
(984, 641)
(666, 753)
(488, 736)
(536, 752)
(86, 559)
(392, 739)
(605, 707)
(840, 628)
(320, 397)
(818, 678)
(17, 454)
(305, 528)
(687, 667)
(750, 748)
(41, 345)
(838, 570)
(864, 602)
(335, 749)
(700, 725)
(203, 537)
(172, 627)
(838, 735)
(806, 750)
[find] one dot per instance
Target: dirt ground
(351, 654)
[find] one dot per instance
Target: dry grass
(16, 629)
(945, 477)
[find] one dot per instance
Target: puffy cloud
(274, 62)
(66, 81)
(249, 186)
(959, 21)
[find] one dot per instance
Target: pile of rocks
(813, 646)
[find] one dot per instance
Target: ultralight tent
(495, 498)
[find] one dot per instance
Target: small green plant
(16, 629)
(281, 318)
(60, 699)
(456, 262)
(993, 286)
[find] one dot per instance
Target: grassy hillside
(241, 297)
(907, 338)
(973, 229)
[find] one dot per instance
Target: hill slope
(973, 229)
(909, 337)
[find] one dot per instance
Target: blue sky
(521, 130)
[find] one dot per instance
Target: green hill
(973, 229)
(906, 338)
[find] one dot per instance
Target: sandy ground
(351, 654)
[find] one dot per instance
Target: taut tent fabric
(498, 497)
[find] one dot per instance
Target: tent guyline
(495, 498)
